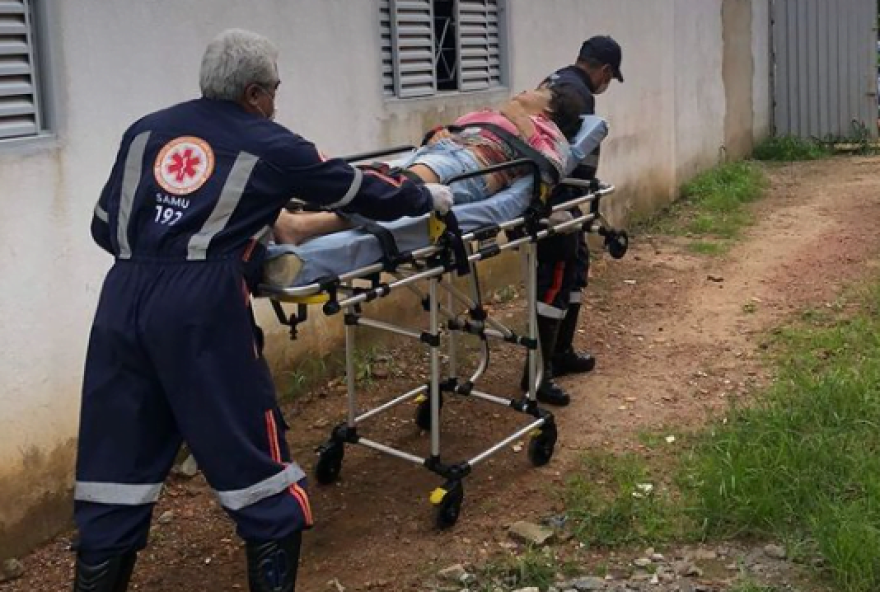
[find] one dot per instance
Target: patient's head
(565, 107)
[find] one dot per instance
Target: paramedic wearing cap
(174, 354)
(564, 261)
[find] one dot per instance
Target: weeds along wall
(696, 83)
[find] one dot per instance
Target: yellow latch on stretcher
(437, 496)
(313, 299)
(436, 228)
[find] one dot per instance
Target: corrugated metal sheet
(825, 70)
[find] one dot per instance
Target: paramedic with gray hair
(174, 353)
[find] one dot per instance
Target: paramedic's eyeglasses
(271, 91)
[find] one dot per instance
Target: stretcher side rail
(318, 287)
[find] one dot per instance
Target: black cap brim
(618, 75)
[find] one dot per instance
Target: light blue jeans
(448, 159)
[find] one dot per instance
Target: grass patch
(803, 465)
(790, 148)
(619, 500)
(749, 586)
(534, 567)
(712, 209)
(716, 199)
(712, 249)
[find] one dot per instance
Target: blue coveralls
(174, 354)
(564, 260)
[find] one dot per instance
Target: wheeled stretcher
(344, 272)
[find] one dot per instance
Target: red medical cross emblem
(184, 165)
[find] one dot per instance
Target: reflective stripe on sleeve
(122, 494)
(352, 189)
(242, 498)
(101, 214)
(131, 178)
(230, 196)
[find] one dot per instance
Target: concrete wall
(692, 86)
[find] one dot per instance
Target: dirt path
(677, 335)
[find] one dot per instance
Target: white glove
(441, 195)
(561, 217)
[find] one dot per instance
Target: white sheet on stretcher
(290, 266)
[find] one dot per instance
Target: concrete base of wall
(36, 499)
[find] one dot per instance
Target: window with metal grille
(21, 115)
(431, 46)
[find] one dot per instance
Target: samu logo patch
(184, 165)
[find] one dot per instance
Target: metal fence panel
(825, 67)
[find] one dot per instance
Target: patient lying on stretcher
(546, 119)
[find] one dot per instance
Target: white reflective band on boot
(575, 297)
(550, 312)
(122, 494)
(242, 498)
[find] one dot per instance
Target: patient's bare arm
(296, 228)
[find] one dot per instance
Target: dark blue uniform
(174, 354)
(564, 261)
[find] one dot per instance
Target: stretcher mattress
(291, 266)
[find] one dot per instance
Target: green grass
(712, 209)
(712, 249)
(716, 199)
(803, 465)
(620, 500)
(749, 586)
(788, 149)
(533, 567)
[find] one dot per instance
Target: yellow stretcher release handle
(546, 190)
(437, 496)
(313, 299)
(436, 227)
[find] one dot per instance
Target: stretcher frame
(430, 265)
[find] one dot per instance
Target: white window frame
(410, 52)
(25, 113)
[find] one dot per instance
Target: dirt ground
(676, 334)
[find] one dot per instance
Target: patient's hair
(234, 60)
(566, 105)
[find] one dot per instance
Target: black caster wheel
(447, 501)
(329, 463)
(423, 414)
(618, 244)
(542, 446)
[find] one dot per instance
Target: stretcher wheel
(618, 244)
(447, 500)
(542, 446)
(423, 414)
(329, 463)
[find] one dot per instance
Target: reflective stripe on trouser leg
(121, 494)
(550, 312)
(242, 498)
(576, 297)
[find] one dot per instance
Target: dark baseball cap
(604, 50)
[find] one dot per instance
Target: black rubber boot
(272, 566)
(548, 392)
(112, 575)
(565, 359)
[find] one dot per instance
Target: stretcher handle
(512, 164)
(378, 153)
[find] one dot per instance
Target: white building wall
(115, 61)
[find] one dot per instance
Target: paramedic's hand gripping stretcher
(344, 272)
